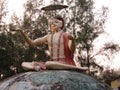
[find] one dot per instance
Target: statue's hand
(70, 37)
(13, 28)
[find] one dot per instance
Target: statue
(61, 46)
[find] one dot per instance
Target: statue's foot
(38, 66)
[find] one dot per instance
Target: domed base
(52, 80)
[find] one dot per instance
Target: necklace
(58, 46)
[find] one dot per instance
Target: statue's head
(56, 22)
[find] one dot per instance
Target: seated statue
(60, 44)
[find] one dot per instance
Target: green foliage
(13, 48)
(11, 52)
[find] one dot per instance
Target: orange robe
(68, 54)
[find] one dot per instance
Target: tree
(3, 10)
(87, 28)
(34, 24)
(3, 29)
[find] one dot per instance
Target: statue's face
(54, 27)
(55, 24)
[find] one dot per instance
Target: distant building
(115, 84)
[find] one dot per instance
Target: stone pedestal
(52, 80)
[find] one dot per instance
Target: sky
(15, 6)
(112, 25)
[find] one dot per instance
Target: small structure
(52, 80)
(115, 84)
